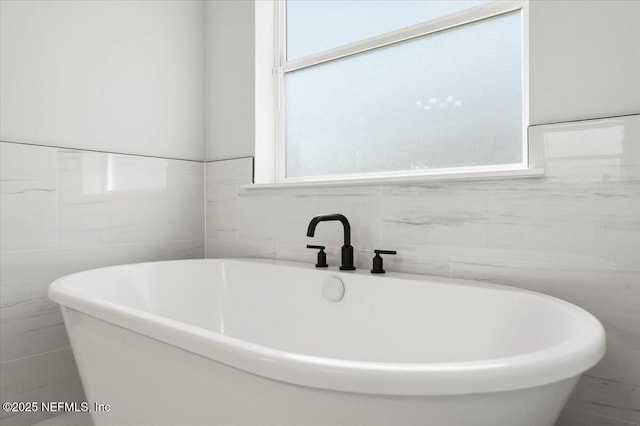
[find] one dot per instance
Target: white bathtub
(243, 342)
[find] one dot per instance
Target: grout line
(137, 155)
(31, 356)
(102, 152)
(230, 159)
(57, 207)
(623, 422)
(206, 187)
(110, 245)
(585, 119)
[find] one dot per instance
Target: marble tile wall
(574, 234)
(64, 211)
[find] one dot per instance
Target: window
(398, 88)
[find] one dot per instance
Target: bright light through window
(448, 99)
(316, 25)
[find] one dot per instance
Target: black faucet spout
(347, 249)
(327, 217)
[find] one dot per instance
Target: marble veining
(28, 188)
(573, 233)
(609, 397)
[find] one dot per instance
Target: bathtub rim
(553, 364)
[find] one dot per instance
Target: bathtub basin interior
(276, 311)
(392, 319)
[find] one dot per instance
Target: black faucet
(347, 249)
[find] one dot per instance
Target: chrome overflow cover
(333, 289)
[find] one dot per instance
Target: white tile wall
(50, 376)
(28, 210)
(64, 211)
(68, 419)
(574, 234)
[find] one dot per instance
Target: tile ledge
(478, 175)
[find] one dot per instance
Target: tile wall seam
(580, 120)
(595, 415)
(236, 201)
(229, 159)
(204, 201)
(3, 363)
(110, 245)
(101, 151)
(57, 192)
(596, 405)
(591, 376)
(524, 263)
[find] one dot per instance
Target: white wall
(584, 59)
(229, 79)
(128, 76)
(117, 76)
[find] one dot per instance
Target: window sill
(462, 175)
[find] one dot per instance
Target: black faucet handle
(385, 252)
(377, 261)
(322, 256)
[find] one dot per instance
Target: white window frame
(270, 38)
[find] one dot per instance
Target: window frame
(270, 155)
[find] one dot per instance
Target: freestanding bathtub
(246, 342)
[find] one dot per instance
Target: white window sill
(462, 175)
